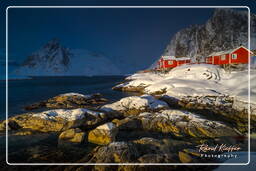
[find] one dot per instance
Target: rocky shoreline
(135, 129)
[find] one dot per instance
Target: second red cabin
(239, 55)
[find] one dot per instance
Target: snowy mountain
(226, 29)
(55, 60)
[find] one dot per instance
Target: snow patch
(107, 126)
(66, 114)
(75, 94)
(135, 102)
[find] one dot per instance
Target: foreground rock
(229, 108)
(144, 150)
(73, 135)
(115, 152)
(69, 100)
(103, 134)
(57, 120)
(178, 123)
(135, 104)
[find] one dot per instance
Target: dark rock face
(226, 29)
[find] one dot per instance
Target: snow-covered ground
(197, 80)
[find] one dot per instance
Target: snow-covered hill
(194, 80)
(55, 60)
(226, 29)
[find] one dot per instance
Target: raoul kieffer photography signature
(218, 148)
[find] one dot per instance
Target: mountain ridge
(226, 29)
(53, 59)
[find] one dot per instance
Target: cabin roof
(182, 58)
(174, 58)
(227, 51)
(168, 57)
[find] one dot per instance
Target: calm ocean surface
(25, 92)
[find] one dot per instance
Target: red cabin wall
(167, 65)
(213, 60)
(183, 62)
(242, 56)
(220, 61)
(164, 63)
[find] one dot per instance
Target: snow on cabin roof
(182, 58)
(168, 57)
(226, 51)
(174, 58)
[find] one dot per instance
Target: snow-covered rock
(208, 88)
(55, 60)
(183, 123)
(57, 120)
(103, 134)
(135, 104)
(69, 115)
(180, 123)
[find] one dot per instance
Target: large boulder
(115, 152)
(182, 123)
(73, 135)
(56, 120)
(69, 101)
(224, 107)
(179, 123)
(144, 150)
(134, 105)
(103, 134)
(128, 123)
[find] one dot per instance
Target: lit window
(170, 62)
(234, 56)
(223, 57)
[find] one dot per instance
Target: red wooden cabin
(238, 55)
(171, 62)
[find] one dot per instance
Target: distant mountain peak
(52, 56)
(54, 59)
(55, 42)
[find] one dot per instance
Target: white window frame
(234, 56)
(170, 62)
(223, 57)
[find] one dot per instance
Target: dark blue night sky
(138, 35)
